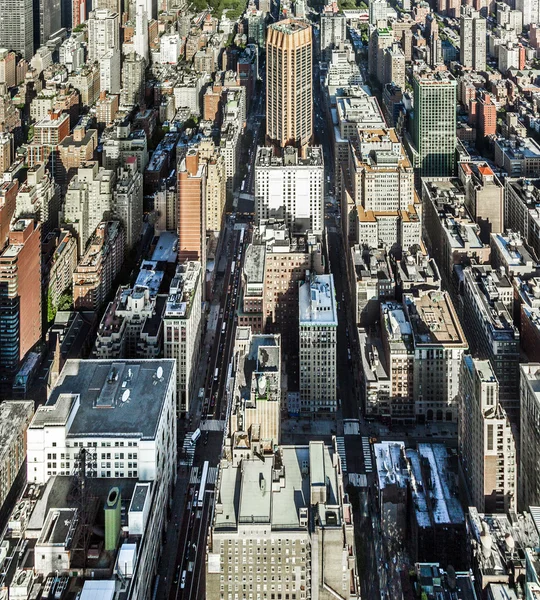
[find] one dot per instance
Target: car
(206, 438)
(183, 582)
(177, 574)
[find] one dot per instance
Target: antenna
(159, 372)
(125, 396)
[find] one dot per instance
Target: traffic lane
(344, 363)
(196, 585)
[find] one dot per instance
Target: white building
(127, 203)
(88, 201)
(183, 323)
(318, 344)
(103, 33)
(109, 71)
(38, 198)
(121, 412)
(290, 188)
(169, 49)
(486, 443)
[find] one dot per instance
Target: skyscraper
(20, 296)
(17, 26)
(434, 123)
(289, 105)
(50, 19)
(191, 208)
(103, 33)
(472, 30)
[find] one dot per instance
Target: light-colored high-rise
(318, 344)
(486, 443)
(333, 32)
(434, 123)
(290, 188)
(103, 33)
(17, 27)
(472, 30)
(289, 91)
(182, 322)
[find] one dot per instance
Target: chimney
(192, 162)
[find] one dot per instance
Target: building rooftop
(291, 157)
(489, 287)
(275, 491)
(436, 583)
(13, 416)
(514, 254)
(166, 247)
(317, 301)
(113, 398)
(391, 464)
(182, 290)
(433, 319)
(150, 277)
(396, 327)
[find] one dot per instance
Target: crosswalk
(188, 450)
(340, 443)
(366, 447)
(195, 476)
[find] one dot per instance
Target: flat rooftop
(14, 415)
(115, 398)
(434, 320)
(317, 302)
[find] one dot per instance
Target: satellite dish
(159, 372)
(125, 396)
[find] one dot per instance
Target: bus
(202, 487)
(216, 373)
(233, 266)
(241, 236)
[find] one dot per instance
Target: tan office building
(289, 107)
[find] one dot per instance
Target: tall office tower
(127, 204)
(318, 344)
(109, 72)
(333, 32)
(380, 39)
(88, 201)
(394, 65)
(486, 444)
(487, 309)
(289, 85)
(132, 80)
(434, 123)
(17, 27)
(20, 297)
(183, 328)
(8, 69)
(530, 10)
(140, 39)
(103, 33)
(484, 197)
(50, 19)
(378, 11)
(192, 208)
(529, 465)
(78, 12)
(216, 184)
(472, 31)
(433, 40)
(288, 507)
(290, 188)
